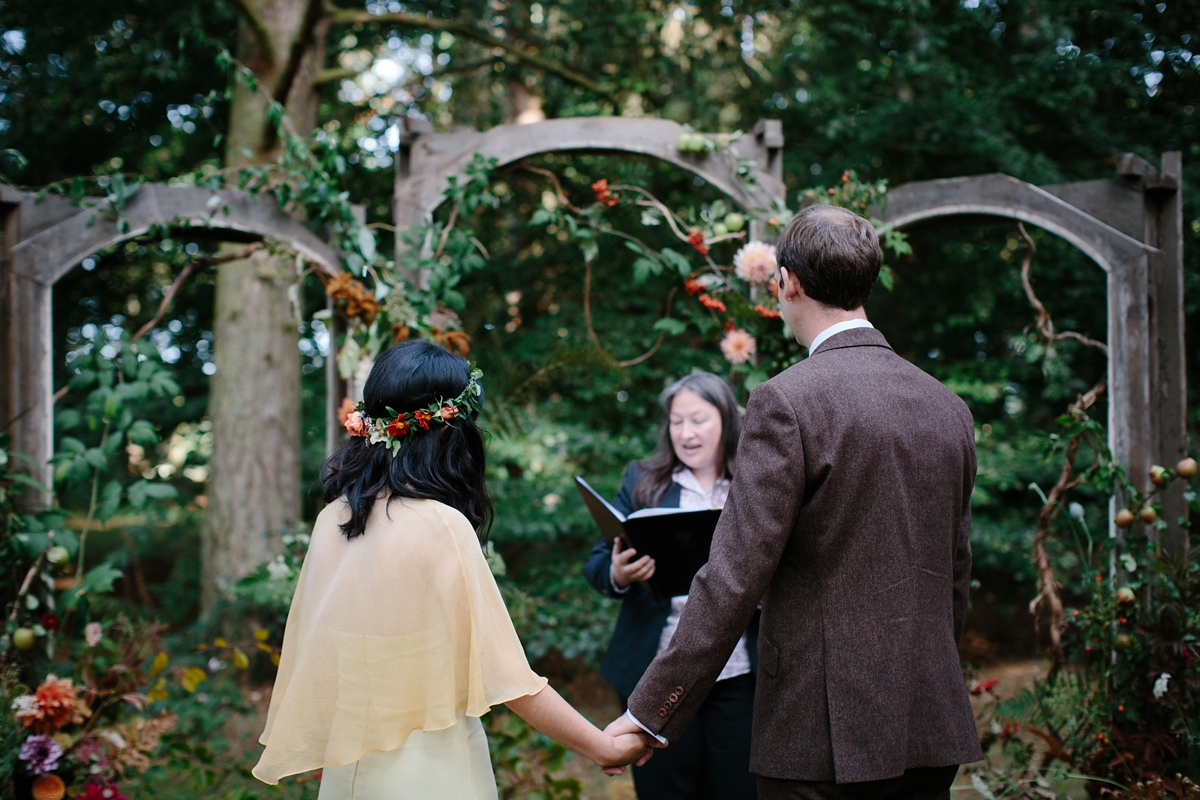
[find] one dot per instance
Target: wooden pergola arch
(44, 240)
(1130, 225)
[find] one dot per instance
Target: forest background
(1045, 91)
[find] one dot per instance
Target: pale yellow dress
(396, 644)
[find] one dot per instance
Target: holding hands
(611, 750)
(625, 569)
(625, 749)
(624, 728)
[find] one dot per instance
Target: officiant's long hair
(444, 463)
(659, 468)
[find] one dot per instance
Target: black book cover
(676, 539)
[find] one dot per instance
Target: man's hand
(623, 726)
(625, 570)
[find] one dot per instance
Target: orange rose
(355, 424)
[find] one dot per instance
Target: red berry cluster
(696, 239)
(604, 194)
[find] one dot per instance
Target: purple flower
(42, 754)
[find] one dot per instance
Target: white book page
(658, 512)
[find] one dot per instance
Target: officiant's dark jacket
(642, 618)
(848, 519)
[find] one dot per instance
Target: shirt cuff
(613, 582)
(638, 722)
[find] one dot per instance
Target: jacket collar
(855, 337)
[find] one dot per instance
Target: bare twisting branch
(1048, 600)
(662, 336)
(1045, 324)
(192, 266)
(468, 31)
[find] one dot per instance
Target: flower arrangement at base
(74, 737)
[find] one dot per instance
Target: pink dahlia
(738, 346)
(755, 262)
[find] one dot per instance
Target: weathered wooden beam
(1128, 262)
(50, 254)
(43, 240)
(1001, 196)
(1169, 399)
(421, 178)
(1116, 202)
(26, 361)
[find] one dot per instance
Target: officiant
(692, 469)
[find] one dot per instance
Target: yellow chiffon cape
(390, 632)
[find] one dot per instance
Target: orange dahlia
(53, 705)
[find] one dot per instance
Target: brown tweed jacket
(848, 520)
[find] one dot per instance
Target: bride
(398, 641)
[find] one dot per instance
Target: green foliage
(1122, 708)
(271, 585)
(525, 761)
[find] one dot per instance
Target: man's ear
(790, 288)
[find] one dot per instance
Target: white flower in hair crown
(392, 430)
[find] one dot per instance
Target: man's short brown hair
(834, 253)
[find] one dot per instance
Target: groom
(848, 521)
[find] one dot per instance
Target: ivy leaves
(98, 435)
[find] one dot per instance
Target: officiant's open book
(676, 539)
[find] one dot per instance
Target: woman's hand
(553, 716)
(624, 569)
(624, 749)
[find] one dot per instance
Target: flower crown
(391, 431)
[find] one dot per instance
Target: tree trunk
(254, 397)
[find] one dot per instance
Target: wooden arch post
(43, 241)
(1132, 227)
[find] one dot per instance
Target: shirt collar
(836, 328)
(688, 480)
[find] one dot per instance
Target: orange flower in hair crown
(392, 430)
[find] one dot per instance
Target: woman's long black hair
(444, 463)
(659, 468)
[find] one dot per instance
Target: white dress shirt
(837, 327)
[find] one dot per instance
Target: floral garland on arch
(735, 293)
